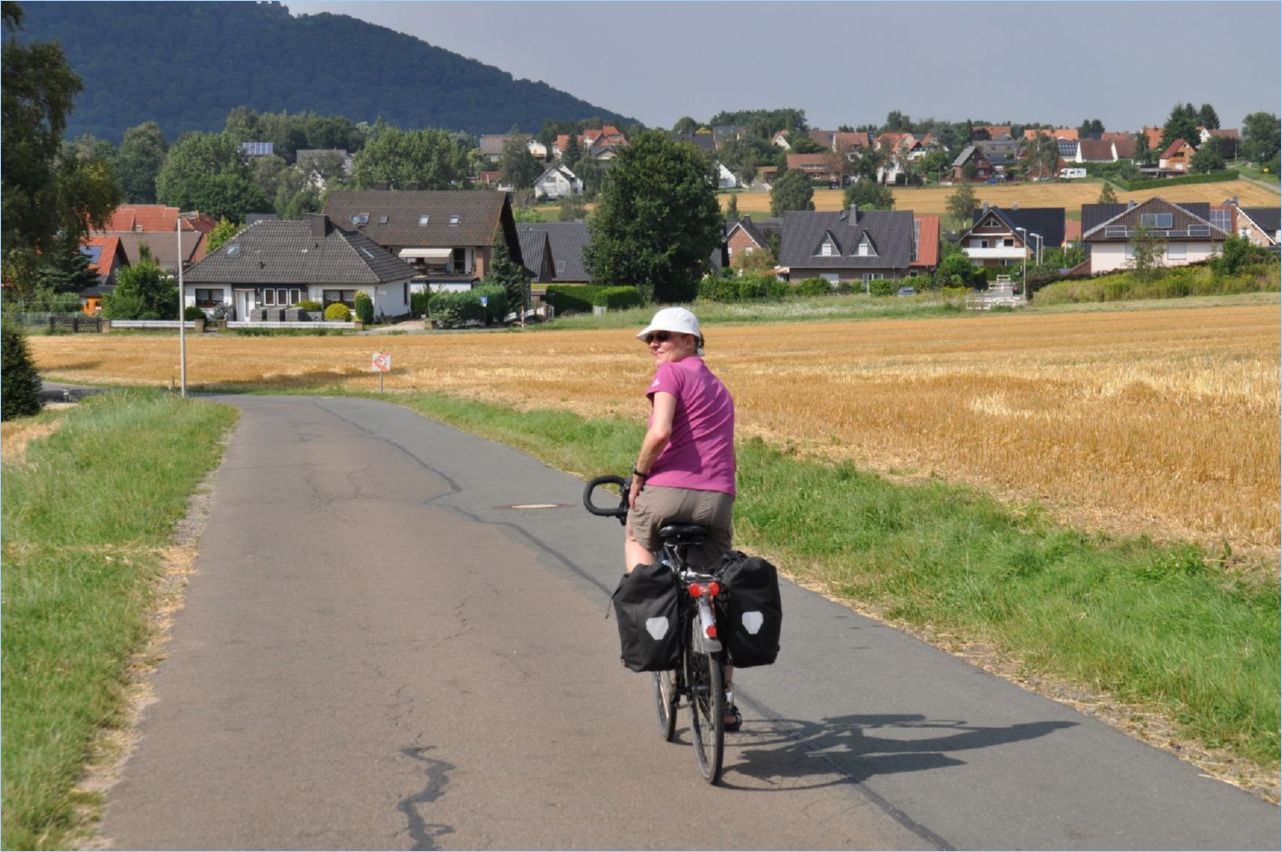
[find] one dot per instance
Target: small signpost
(381, 363)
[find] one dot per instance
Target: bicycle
(699, 675)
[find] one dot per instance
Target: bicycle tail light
(696, 590)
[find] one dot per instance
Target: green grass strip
(84, 516)
(1159, 625)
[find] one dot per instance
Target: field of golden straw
(1158, 421)
(1070, 195)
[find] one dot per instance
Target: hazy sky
(851, 63)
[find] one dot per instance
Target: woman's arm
(656, 439)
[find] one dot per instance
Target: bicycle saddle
(683, 533)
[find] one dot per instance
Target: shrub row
(1157, 183)
(1176, 283)
(450, 310)
(581, 298)
(743, 288)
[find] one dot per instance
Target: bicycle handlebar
(620, 511)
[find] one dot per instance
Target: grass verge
(1162, 626)
(86, 513)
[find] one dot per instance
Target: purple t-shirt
(700, 453)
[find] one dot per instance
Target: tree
(20, 393)
(511, 276)
(138, 161)
(143, 291)
(657, 219)
(1091, 128)
(572, 154)
(222, 232)
(1043, 155)
(1143, 155)
(48, 192)
(792, 191)
(65, 270)
(1146, 254)
(1206, 159)
(685, 125)
(897, 122)
(961, 205)
(869, 195)
(1261, 132)
(955, 268)
(1208, 117)
(1106, 195)
(1237, 255)
(207, 172)
(432, 159)
(519, 167)
(1182, 124)
(732, 209)
(801, 143)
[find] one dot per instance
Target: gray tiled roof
(1046, 222)
(891, 232)
(567, 239)
(286, 252)
(534, 248)
(1183, 216)
(1266, 217)
(760, 232)
(394, 216)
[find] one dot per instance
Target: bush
(570, 298)
(616, 298)
(1156, 183)
(310, 305)
(450, 310)
(191, 313)
(883, 287)
(364, 307)
(20, 388)
(419, 303)
(812, 287)
(1169, 284)
(742, 288)
(338, 312)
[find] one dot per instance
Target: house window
(459, 261)
(1163, 221)
(1177, 251)
(826, 249)
(983, 243)
(382, 220)
(1008, 243)
(424, 219)
(209, 298)
(269, 297)
(360, 218)
(872, 276)
(865, 248)
(1222, 218)
(455, 219)
(346, 297)
(831, 277)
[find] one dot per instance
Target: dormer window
(866, 248)
(826, 250)
(424, 219)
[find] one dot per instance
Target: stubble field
(1161, 422)
(1070, 195)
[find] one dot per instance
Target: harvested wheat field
(1163, 421)
(1070, 195)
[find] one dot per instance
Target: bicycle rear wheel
(707, 709)
(665, 702)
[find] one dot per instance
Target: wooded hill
(186, 65)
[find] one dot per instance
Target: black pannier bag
(645, 606)
(751, 610)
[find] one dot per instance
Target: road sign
(381, 362)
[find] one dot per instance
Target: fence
(305, 326)
(75, 323)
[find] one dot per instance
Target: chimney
(1014, 205)
(320, 225)
(854, 213)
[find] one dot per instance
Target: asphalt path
(385, 646)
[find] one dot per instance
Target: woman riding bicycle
(685, 470)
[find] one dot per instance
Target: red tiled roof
(1126, 146)
(110, 247)
(1096, 150)
(1116, 135)
(1225, 133)
(927, 241)
(152, 218)
(1174, 147)
(1154, 135)
(810, 162)
(1072, 231)
(1065, 133)
(849, 140)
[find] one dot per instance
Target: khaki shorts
(658, 506)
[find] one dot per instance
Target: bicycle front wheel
(707, 709)
(665, 702)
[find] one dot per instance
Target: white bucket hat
(677, 320)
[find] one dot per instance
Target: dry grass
(1067, 194)
(1163, 421)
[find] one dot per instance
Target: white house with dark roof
(1185, 237)
(272, 265)
(557, 182)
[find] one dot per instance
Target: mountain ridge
(200, 60)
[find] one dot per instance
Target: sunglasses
(657, 337)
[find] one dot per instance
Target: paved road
(379, 652)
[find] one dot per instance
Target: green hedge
(581, 298)
(449, 310)
(744, 288)
(883, 287)
(1156, 183)
(812, 287)
(1173, 284)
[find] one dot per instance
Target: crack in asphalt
(422, 832)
